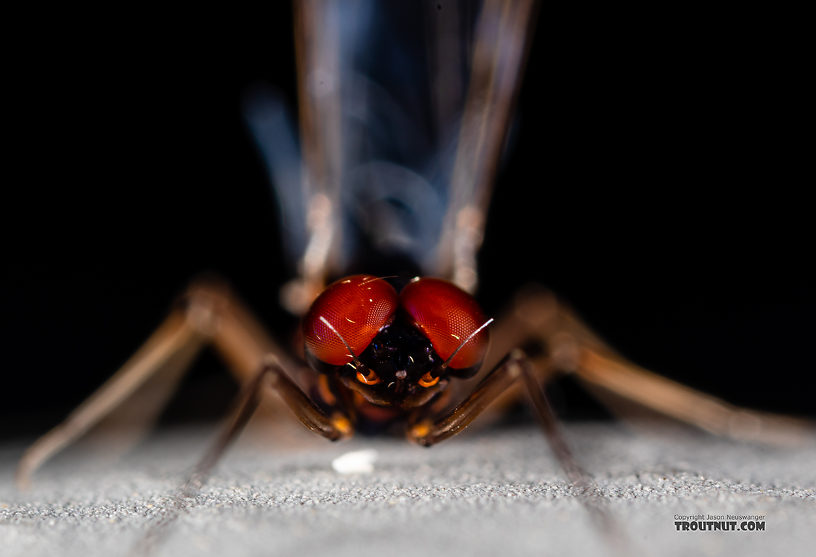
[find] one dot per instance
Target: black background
(654, 181)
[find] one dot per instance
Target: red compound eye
(447, 315)
(357, 307)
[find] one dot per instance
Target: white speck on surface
(355, 462)
(498, 491)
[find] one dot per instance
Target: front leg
(332, 425)
(515, 368)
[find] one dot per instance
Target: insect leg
(537, 315)
(517, 368)
(270, 377)
(210, 314)
(502, 36)
(429, 431)
(165, 355)
(319, 74)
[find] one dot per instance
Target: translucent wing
(402, 120)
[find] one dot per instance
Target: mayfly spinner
(382, 349)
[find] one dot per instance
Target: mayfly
(366, 211)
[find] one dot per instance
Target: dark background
(655, 182)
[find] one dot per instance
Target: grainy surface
(497, 492)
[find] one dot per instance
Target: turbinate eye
(357, 307)
(447, 316)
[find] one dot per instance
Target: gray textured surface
(496, 492)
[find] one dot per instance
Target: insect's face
(395, 349)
